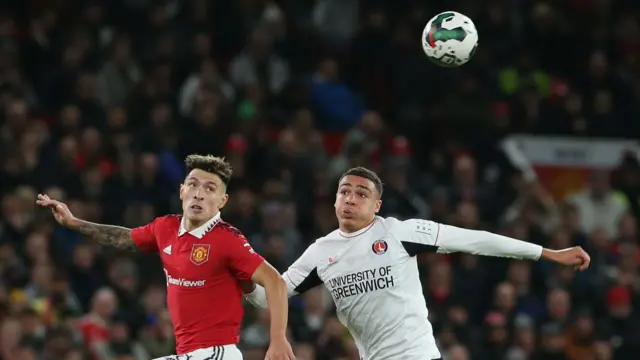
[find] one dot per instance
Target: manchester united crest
(200, 254)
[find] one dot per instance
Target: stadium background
(100, 101)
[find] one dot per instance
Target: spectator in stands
(599, 206)
(94, 327)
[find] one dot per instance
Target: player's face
(203, 194)
(357, 202)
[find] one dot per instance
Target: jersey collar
(202, 230)
(359, 232)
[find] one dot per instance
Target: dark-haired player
(369, 266)
(205, 259)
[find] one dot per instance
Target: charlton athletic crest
(200, 254)
(379, 247)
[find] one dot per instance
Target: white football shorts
(225, 352)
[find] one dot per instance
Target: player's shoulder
(388, 224)
(397, 227)
(171, 221)
(334, 235)
(224, 228)
(330, 240)
(325, 243)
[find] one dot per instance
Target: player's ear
(223, 201)
(181, 188)
(378, 205)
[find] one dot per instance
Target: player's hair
(211, 164)
(367, 174)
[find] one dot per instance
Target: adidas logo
(167, 250)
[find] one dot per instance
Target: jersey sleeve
(242, 259)
(419, 236)
(301, 276)
(145, 236)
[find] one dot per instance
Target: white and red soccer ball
(450, 39)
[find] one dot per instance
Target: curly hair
(211, 164)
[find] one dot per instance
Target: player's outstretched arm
(108, 235)
(429, 236)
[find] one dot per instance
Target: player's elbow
(267, 276)
(276, 282)
(272, 289)
(275, 288)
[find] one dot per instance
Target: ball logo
(200, 254)
(379, 247)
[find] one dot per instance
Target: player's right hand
(60, 211)
(279, 349)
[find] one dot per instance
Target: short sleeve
(242, 259)
(302, 275)
(144, 237)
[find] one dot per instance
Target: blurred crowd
(101, 100)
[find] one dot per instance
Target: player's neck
(354, 228)
(191, 225)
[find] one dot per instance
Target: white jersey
(373, 278)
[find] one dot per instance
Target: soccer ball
(450, 39)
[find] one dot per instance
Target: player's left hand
(279, 349)
(574, 256)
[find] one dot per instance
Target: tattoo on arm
(108, 235)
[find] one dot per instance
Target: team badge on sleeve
(200, 254)
(379, 247)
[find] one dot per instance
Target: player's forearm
(278, 303)
(552, 255)
(107, 235)
(486, 243)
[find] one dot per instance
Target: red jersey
(202, 269)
